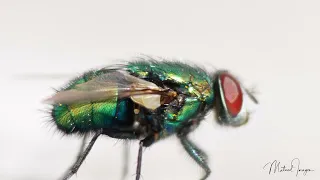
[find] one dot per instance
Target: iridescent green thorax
(192, 81)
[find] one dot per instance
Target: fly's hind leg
(83, 145)
(197, 154)
(126, 150)
(81, 156)
(82, 148)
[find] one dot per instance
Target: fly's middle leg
(138, 170)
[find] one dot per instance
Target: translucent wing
(110, 85)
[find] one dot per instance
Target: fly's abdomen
(85, 117)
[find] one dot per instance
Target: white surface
(273, 45)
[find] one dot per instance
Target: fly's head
(230, 100)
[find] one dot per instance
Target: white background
(272, 45)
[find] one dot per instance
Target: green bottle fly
(148, 100)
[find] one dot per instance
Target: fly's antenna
(251, 93)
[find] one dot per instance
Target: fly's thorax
(193, 88)
(185, 79)
(181, 111)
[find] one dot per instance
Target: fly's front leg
(196, 153)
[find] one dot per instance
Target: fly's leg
(152, 137)
(197, 154)
(138, 170)
(81, 157)
(148, 141)
(83, 144)
(126, 151)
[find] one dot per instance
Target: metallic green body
(193, 83)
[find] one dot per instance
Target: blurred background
(271, 45)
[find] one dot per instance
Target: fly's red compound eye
(232, 94)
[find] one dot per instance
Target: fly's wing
(114, 84)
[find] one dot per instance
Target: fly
(147, 100)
